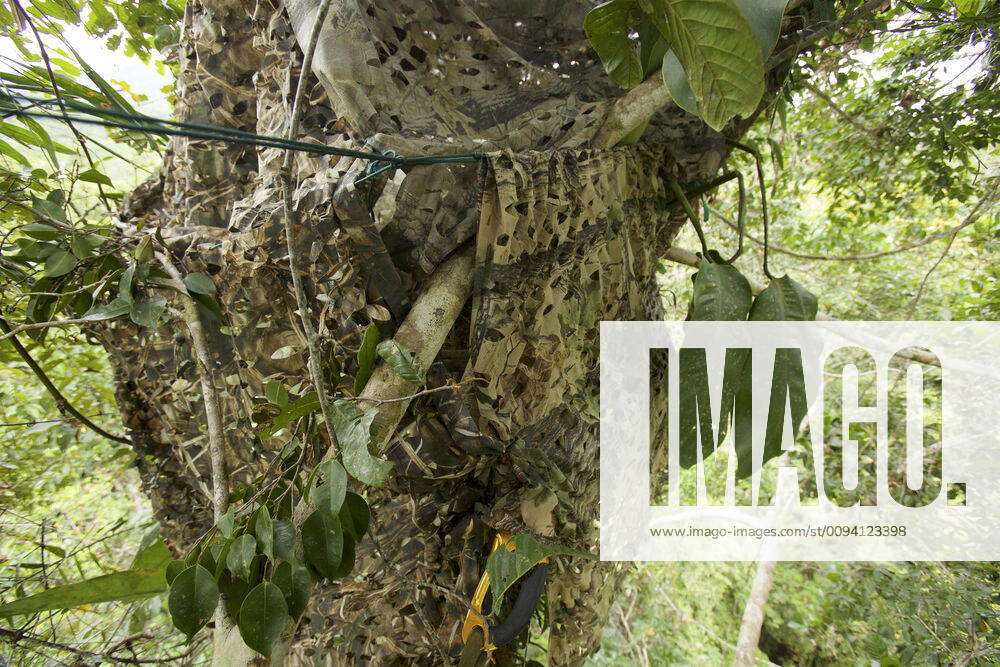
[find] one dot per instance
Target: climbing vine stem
(292, 221)
(759, 164)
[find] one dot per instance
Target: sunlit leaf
(505, 567)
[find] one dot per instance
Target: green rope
(136, 122)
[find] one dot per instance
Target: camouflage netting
(565, 235)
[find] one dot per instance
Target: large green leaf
(284, 539)
(121, 586)
(329, 495)
(367, 356)
(716, 47)
(147, 312)
(263, 616)
(355, 515)
(295, 583)
(59, 263)
(300, 407)
(323, 543)
(764, 17)
(505, 567)
(784, 300)
(264, 529)
(241, 555)
(721, 293)
(353, 429)
(608, 27)
(193, 598)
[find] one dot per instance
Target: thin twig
(793, 49)
(15, 636)
(923, 283)
(851, 120)
(49, 421)
(213, 409)
(292, 221)
(61, 401)
(10, 332)
(972, 216)
(445, 387)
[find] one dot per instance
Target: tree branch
(61, 402)
(292, 221)
(632, 110)
(424, 331)
(213, 408)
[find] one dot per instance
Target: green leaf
(152, 556)
(764, 17)
(721, 292)
(227, 524)
(323, 543)
(116, 308)
(506, 567)
(366, 357)
(329, 495)
(123, 586)
(353, 429)
(263, 616)
(174, 568)
(348, 559)
(49, 208)
(355, 515)
(784, 300)
(717, 49)
(11, 152)
(241, 556)
(94, 176)
(608, 27)
(59, 263)
(234, 590)
(264, 529)
(147, 312)
(300, 407)
(276, 393)
(199, 283)
(125, 283)
(192, 600)
(284, 539)
(79, 247)
(296, 585)
(40, 231)
(401, 361)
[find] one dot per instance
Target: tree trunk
(753, 614)
(565, 234)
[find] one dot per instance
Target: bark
(554, 233)
(753, 615)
